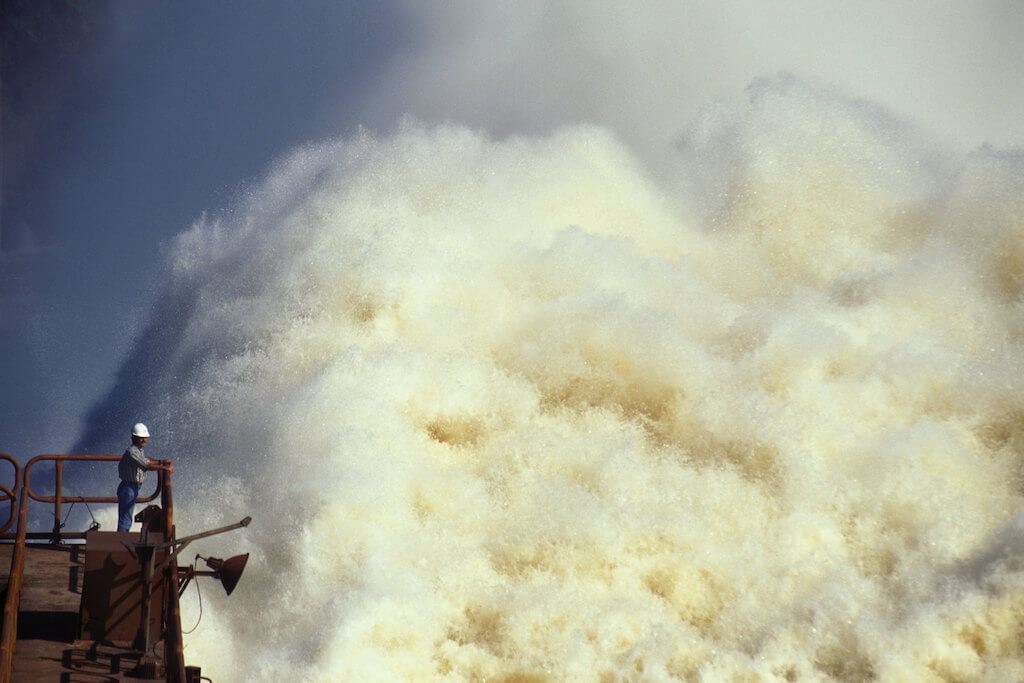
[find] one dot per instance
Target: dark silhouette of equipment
(228, 571)
(145, 551)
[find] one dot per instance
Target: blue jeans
(126, 495)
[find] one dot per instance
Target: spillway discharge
(522, 409)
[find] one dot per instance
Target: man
(132, 470)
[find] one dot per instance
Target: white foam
(516, 407)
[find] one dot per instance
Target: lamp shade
(229, 571)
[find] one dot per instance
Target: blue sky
(164, 112)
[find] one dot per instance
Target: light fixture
(228, 571)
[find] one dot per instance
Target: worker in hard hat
(132, 470)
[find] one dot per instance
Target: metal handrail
(12, 602)
(58, 499)
(174, 661)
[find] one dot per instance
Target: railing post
(59, 464)
(174, 654)
(11, 493)
(167, 503)
(13, 600)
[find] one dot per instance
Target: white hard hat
(140, 430)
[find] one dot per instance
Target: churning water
(526, 409)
